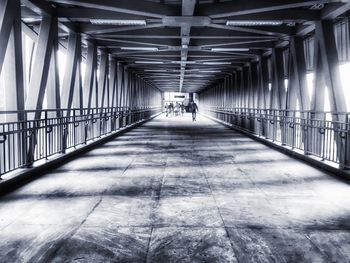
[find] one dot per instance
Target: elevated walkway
(174, 190)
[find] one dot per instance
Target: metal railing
(45, 133)
(325, 135)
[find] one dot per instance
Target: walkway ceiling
(185, 45)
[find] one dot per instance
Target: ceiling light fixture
(118, 22)
(217, 63)
(318, 6)
(218, 49)
(184, 61)
(149, 62)
(140, 48)
(253, 23)
(155, 70)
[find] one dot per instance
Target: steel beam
(7, 14)
(13, 68)
(41, 65)
(53, 85)
(254, 78)
(278, 92)
(142, 8)
(242, 7)
(102, 80)
(73, 56)
(90, 75)
(245, 87)
(113, 83)
(297, 89)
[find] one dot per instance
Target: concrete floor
(177, 191)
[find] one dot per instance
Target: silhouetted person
(177, 109)
(194, 110)
(171, 108)
(182, 106)
(167, 109)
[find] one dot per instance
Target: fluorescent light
(31, 19)
(140, 48)
(155, 70)
(184, 61)
(229, 49)
(149, 62)
(118, 22)
(217, 63)
(184, 46)
(318, 6)
(210, 71)
(253, 23)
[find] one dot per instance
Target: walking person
(194, 110)
(182, 106)
(177, 109)
(171, 108)
(167, 109)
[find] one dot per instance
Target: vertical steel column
(38, 81)
(7, 15)
(13, 65)
(235, 90)
(254, 76)
(239, 88)
(297, 78)
(90, 75)
(71, 70)
(112, 83)
(278, 91)
(120, 81)
(264, 94)
(317, 105)
(102, 80)
(245, 87)
(53, 85)
(324, 36)
(249, 88)
(41, 65)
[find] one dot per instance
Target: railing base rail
(23, 176)
(328, 167)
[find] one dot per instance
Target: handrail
(23, 142)
(323, 134)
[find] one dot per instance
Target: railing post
(347, 142)
(322, 133)
(283, 127)
(275, 126)
(63, 125)
(74, 127)
(46, 135)
(86, 126)
(345, 160)
(307, 133)
(293, 122)
(130, 116)
(23, 147)
(32, 142)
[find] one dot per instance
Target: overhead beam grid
(213, 38)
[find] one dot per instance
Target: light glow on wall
(345, 79)
(61, 57)
(310, 84)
